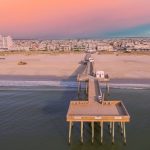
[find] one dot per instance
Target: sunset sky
(58, 19)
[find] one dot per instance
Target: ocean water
(34, 118)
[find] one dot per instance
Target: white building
(105, 48)
(142, 47)
(1, 41)
(6, 42)
(100, 74)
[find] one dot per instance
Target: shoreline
(69, 78)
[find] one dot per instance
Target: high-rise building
(1, 41)
(6, 42)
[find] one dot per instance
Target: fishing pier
(96, 109)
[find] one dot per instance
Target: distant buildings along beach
(114, 44)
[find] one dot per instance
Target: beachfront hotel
(6, 42)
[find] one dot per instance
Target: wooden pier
(96, 109)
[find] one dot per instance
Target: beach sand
(122, 66)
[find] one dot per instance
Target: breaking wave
(66, 84)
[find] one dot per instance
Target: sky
(63, 19)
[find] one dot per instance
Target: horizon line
(87, 38)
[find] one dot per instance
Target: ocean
(33, 117)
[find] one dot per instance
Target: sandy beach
(122, 66)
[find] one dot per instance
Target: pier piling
(113, 133)
(81, 131)
(124, 133)
(110, 128)
(70, 127)
(101, 124)
(92, 124)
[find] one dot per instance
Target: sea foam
(71, 84)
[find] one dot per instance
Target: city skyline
(63, 19)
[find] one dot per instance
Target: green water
(35, 120)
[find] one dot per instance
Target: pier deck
(110, 111)
(94, 91)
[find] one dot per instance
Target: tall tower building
(1, 41)
(6, 42)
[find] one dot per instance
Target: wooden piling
(70, 127)
(92, 124)
(110, 128)
(107, 88)
(113, 128)
(124, 133)
(121, 127)
(79, 88)
(81, 131)
(101, 124)
(86, 87)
